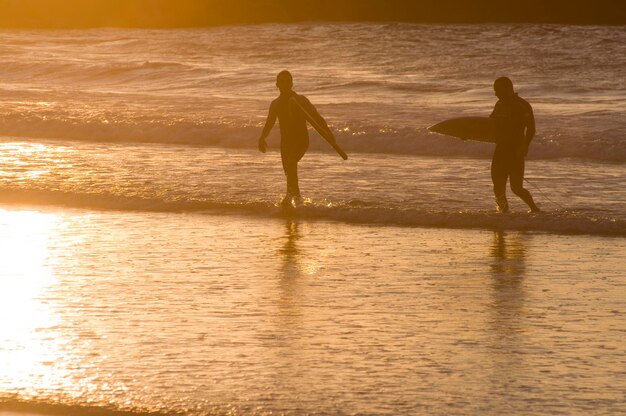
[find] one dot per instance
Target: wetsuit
(294, 136)
(515, 128)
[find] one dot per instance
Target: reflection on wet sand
(508, 253)
(507, 282)
(507, 323)
(291, 272)
(290, 250)
(235, 315)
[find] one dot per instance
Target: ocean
(146, 266)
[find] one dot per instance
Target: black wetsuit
(515, 127)
(294, 136)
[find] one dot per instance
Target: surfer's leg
(292, 180)
(499, 176)
(290, 166)
(517, 183)
(287, 169)
(297, 156)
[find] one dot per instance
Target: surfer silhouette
(292, 111)
(515, 129)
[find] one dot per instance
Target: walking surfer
(292, 111)
(515, 129)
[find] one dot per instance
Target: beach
(216, 314)
(148, 268)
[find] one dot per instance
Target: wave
(14, 406)
(605, 146)
(384, 84)
(561, 221)
(120, 71)
(111, 73)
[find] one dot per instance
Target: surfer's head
(503, 88)
(284, 81)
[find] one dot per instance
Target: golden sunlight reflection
(294, 260)
(27, 353)
(24, 159)
(24, 149)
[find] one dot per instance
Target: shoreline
(556, 222)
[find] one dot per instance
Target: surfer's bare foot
(534, 210)
(502, 205)
(287, 201)
(298, 201)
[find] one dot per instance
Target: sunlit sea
(145, 265)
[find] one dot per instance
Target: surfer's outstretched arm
(530, 124)
(269, 123)
(529, 133)
(317, 117)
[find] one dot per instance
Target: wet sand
(225, 313)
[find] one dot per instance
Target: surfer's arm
(529, 121)
(317, 117)
(530, 124)
(495, 111)
(269, 123)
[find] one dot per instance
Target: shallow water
(215, 314)
(578, 196)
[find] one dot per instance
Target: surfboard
(482, 129)
(326, 135)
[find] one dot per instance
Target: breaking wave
(602, 146)
(561, 221)
(380, 86)
(39, 407)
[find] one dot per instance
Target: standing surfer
(293, 111)
(515, 129)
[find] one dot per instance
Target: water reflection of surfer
(515, 129)
(508, 321)
(290, 282)
(290, 251)
(289, 108)
(508, 256)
